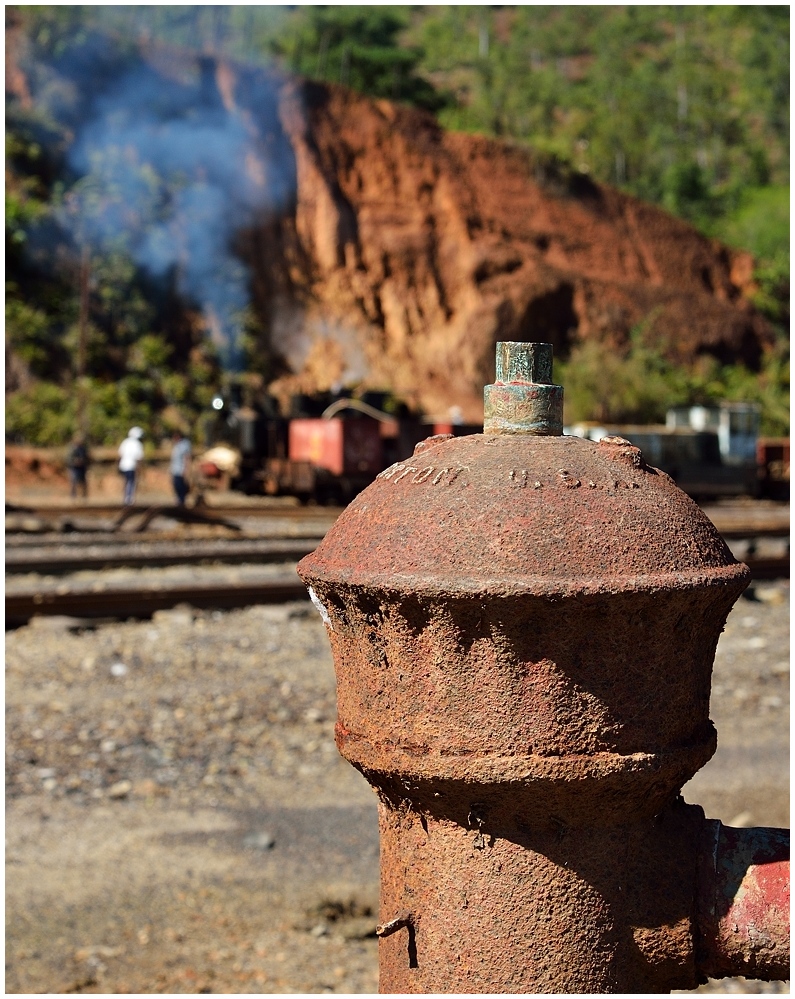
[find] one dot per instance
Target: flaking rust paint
(523, 633)
(744, 902)
(507, 907)
(583, 672)
(553, 516)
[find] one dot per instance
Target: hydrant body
(523, 630)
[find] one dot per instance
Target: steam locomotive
(331, 447)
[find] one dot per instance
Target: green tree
(638, 384)
(28, 334)
(683, 106)
(359, 48)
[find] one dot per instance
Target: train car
(736, 425)
(691, 457)
(328, 451)
(709, 452)
(344, 455)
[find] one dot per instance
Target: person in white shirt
(131, 451)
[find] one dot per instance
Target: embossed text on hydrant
(431, 473)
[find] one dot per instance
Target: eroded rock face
(409, 252)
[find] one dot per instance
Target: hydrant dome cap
(514, 514)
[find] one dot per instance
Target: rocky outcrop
(408, 252)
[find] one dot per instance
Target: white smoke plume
(171, 158)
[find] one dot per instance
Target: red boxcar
(343, 447)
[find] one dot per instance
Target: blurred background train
(330, 447)
(709, 451)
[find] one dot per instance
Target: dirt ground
(178, 819)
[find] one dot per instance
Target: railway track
(74, 557)
(737, 519)
(36, 527)
(757, 535)
(142, 600)
(755, 519)
(130, 518)
(765, 554)
(142, 595)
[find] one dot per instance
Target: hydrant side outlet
(523, 627)
(744, 902)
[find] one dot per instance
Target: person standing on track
(131, 452)
(180, 466)
(77, 462)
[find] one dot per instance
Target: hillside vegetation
(686, 107)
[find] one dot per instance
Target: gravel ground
(178, 819)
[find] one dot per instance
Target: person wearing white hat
(131, 451)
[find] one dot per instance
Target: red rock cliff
(409, 251)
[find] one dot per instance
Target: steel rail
(731, 519)
(75, 552)
(144, 600)
(768, 567)
(762, 567)
(158, 553)
(90, 509)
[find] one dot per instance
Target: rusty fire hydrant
(523, 627)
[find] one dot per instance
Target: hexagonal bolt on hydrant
(523, 627)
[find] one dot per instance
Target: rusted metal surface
(744, 902)
(513, 906)
(518, 514)
(523, 630)
(523, 399)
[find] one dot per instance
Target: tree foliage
(125, 359)
(687, 107)
(638, 384)
(676, 102)
(357, 47)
